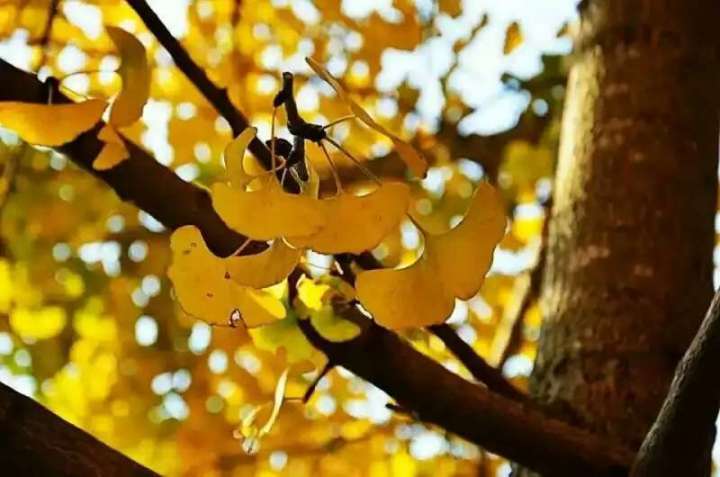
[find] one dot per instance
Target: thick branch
(478, 367)
(415, 381)
(218, 97)
(501, 425)
(680, 442)
(34, 441)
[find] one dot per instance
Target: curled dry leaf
(204, 288)
(453, 265)
(30, 121)
(135, 75)
(414, 160)
(358, 223)
(249, 431)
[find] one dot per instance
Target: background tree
(101, 326)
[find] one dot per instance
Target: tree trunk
(629, 265)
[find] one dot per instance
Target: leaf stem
(360, 165)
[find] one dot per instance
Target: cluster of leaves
(79, 324)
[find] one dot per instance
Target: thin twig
(218, 97)
(478, 367)
(311, 389)
(47, 32)
(525, 292)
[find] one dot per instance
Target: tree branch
(35, 441)
(438, 396)
(526, 290)
(478, 367)
(501, 425)
(681, 439)
(218, 97)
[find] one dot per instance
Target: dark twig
(311, 389)
(218, 97)
(478, 367)
(44, 40)
(525, 292)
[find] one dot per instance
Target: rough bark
(628, 273)
(34, 441)
(680, 442)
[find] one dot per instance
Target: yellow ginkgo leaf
(266, 268)
(333, 327)
(513, 38)
(113, 152)
(249, 431)
(355, 224)
(234, 156)
(204, 288)
(453, 265)
(135, 75)
(413, 158)
(269, 212)
(285, 339)
(39, 124)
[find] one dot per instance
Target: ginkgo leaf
(414, 160)
(113, 152)
(333, 327)
(284, 338)
(249, 431)
(204, 288)
(269, 212)
(266, 268)
(453, 265)
(513, 38)
(358, 223)
(234, 156)
(135, 75)
(39, 124)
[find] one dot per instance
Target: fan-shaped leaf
(354, 224)
(266, 268)
(453, 265)
(39, 123)
(269, 212)
(204, 288)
